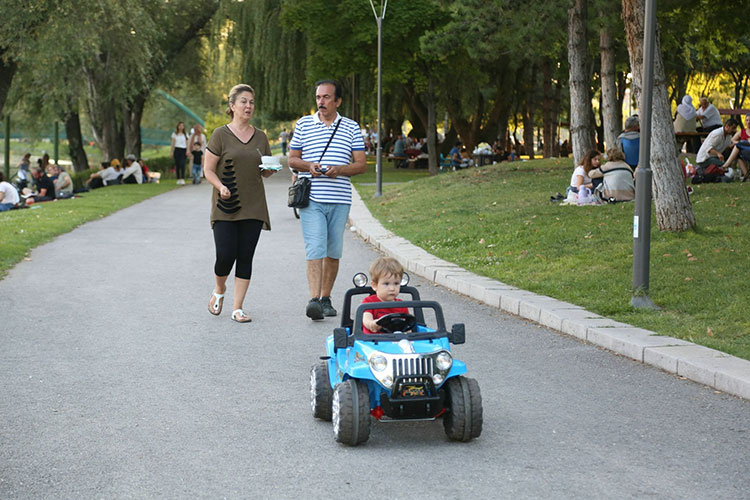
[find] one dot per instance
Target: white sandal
(218, 303)
(240, 316)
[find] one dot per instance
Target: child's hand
(369, 322)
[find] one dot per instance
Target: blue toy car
(405, 374)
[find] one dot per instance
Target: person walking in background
(196, 135)
(197, 154)
(178, 151)
(283, 138)
(238, 208)
(328, 149)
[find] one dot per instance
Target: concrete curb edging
(703, 365)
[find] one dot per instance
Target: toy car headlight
(438, 379)
(404, 279)
(360, 280)
(443, 361)
(387, 381)
(378, 362)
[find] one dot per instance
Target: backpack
(707, 174)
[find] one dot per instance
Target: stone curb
(700, 364)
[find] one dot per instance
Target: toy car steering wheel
(397, 322)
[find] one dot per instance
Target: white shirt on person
(716, 140)
(10, 195)
(109, 174)
(60, 182)
(311, 135)
(710, 115)
(133, 169)
(579, 171)
(180, 140)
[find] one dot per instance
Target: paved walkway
(685, 359)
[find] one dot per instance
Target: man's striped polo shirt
(311, 136)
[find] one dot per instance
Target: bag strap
(330, 139)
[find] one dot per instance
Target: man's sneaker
(314, 309)
(328, 309)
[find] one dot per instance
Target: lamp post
(642, 217)
(378, 155)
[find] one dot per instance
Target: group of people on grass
(112, 172)
(45, 181)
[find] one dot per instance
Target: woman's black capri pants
(236, 242)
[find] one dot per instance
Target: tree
(581, 123)
(672, 205)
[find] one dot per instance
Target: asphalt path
(117, 383)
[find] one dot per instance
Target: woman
(178, 150)
(580, 177)
(617, 183)
(685, 121)
(238, 202)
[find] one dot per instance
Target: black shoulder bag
(299, 191)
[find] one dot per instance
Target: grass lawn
(497, 221)
(25, 229)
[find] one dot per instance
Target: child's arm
(369, 322)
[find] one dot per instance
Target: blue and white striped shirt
(311, 136)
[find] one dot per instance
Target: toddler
(386, 274)
(197, 159)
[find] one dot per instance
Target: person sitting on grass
(741, 150)
(45, 188)
(63, 183)
(712, 149)
(580, 177)
(108, 174)
(386, 274)
(132, 173)
(8, 195)
(616, 176)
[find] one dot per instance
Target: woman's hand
(224, 192)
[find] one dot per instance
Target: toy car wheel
(463, 420)
(320, 391)
(351, 412)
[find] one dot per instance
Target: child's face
(196, 145)
(387, 287)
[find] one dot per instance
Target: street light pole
(378, 152)
(642, 217)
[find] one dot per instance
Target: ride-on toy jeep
(405, 373)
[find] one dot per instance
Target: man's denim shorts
(323, 227)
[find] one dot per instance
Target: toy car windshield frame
(417, 305)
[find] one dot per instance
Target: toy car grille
(413, 367)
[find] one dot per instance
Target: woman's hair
(384, 266)
(587, 159)
(177, 128)
(615, 154)
(237, 90)
(2, 177)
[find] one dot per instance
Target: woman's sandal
(240, 316)
(215, 303)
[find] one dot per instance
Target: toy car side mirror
(340, 340)
(458, 333)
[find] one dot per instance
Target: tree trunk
(131, 117)
(432, 151)
(609, 88)
(529, 108)
(621, 87)
(7, 71)
(548, 123)
(75, 141)
(672, 205)
(581, 126)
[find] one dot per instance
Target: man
(8, 195)
(63, 183)
(629, 141)
(44, 187)
(132, 174)
(708, 115)
(284, 138)
(712, 149)
(329, 168)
